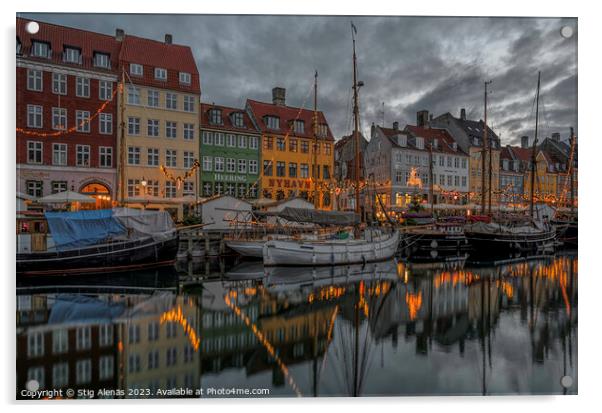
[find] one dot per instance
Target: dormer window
(322, 130)
(185, 78)
(505, 164)
(136, 69)
(435, 143)
(419, 143)
(72, 55)
(102, 60)
(475, 141)
(455, 146)
(299, 126)
(18, 46)
(238, 120)
(40, 49)
(215, 116)
(402, 140)
(272, 122)
(160, 73)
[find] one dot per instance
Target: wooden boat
(439, 237)
(102, 241)
(494, 238)
(374, 246)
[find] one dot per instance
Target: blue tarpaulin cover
(82, 228)
(74, 309)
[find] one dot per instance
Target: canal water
(235, 328)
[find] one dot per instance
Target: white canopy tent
(65, 197)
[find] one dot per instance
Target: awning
(66, 196)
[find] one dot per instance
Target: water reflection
(382, 329)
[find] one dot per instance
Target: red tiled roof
(227, 121)
(60, 36)
(287, 114)
(444, 139)
(505, 154)
(523, 154)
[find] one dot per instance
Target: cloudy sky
(409, 63)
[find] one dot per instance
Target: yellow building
(161, 122)
(289, 151)
(476, 174)
(546, 179)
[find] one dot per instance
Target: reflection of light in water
(414, 302)
(326, 293)
(176, 315)
(264, 342)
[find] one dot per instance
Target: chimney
(463, 114)
(396, 125)
(168, 38)
(422, 118)
(556, 137)
(524, 141)
(119, 34)
(278, 96)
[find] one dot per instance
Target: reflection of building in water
(159, 339)
(66, 342)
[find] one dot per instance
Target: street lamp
(143, 182)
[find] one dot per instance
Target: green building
(229, 152)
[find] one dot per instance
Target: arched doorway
(99, 191)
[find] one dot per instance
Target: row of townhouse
(71, 110)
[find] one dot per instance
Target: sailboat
(369, 245)
(513, 233)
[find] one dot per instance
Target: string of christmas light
(73, 128)
(181, 178)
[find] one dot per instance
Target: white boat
(247, 247)
(372, 247)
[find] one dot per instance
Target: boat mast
(534, 154)
(571, 162)
(489, 146)
(315, 168)
(431, 197)
(122, 142)
(356, 126)
(483, 154)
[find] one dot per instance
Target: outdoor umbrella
(66, 196)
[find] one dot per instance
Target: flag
(354, 28)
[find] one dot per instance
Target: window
(152, 187)
(153, 331)
(34, 188)
(230, 189)
(35, 344)
(207, 163)
(252, 166)
(207, 189)
(304, 146)
(105, 90)
(242, 141)
(136, 69)
(304, 170)
(170, 189)
(105, 121)
(133, 363)
(132, 192)
(185, 78)
(292, 170)
(188, 189)
(171, 101)
(267, 168)
(19, 45)
(133, 126)
(102, 60)
(82, 153)
(315, 171)
(252, 142)
(242, 166)
(327, 149)
(133, 329)
(152, 127)
(59, 154)
(59, 84)
(449, 161)
(58, 186)
(153, 156)
(326, 172)
(72, 55)
(41, 49)
(299, 126)
(59, 118)
(60, 341)
(231, 141)
(215, 116)
(441, 179)
(82, 121)
(272, 122)
(37, 374)
(170, 158)
(238, 119)
(34, 116)
(171, 129)
(83, 338)
(105, 335)
(189, 103)
(189, 131)
(280, 168)
(231, 165)
(171, 356)
(188, 159)
(60, 375)
(449, 180)
(322, 130)
(105, 367)
(207, 138)
(105, 157)
(218, 139)
(242, 190)
(160, 73)
(268, 143)
(441, 160)
(456, 180)
(133, 95)
(82, 87)
(153, 359)
(34, 152)
(153, 98)
(133, 155)
(34, 80)
(280, 144)
(219, 164)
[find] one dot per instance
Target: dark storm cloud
(409, 63)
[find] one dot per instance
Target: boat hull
(122, 256)
(247, 248)
(300, 253)
(495, 243)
